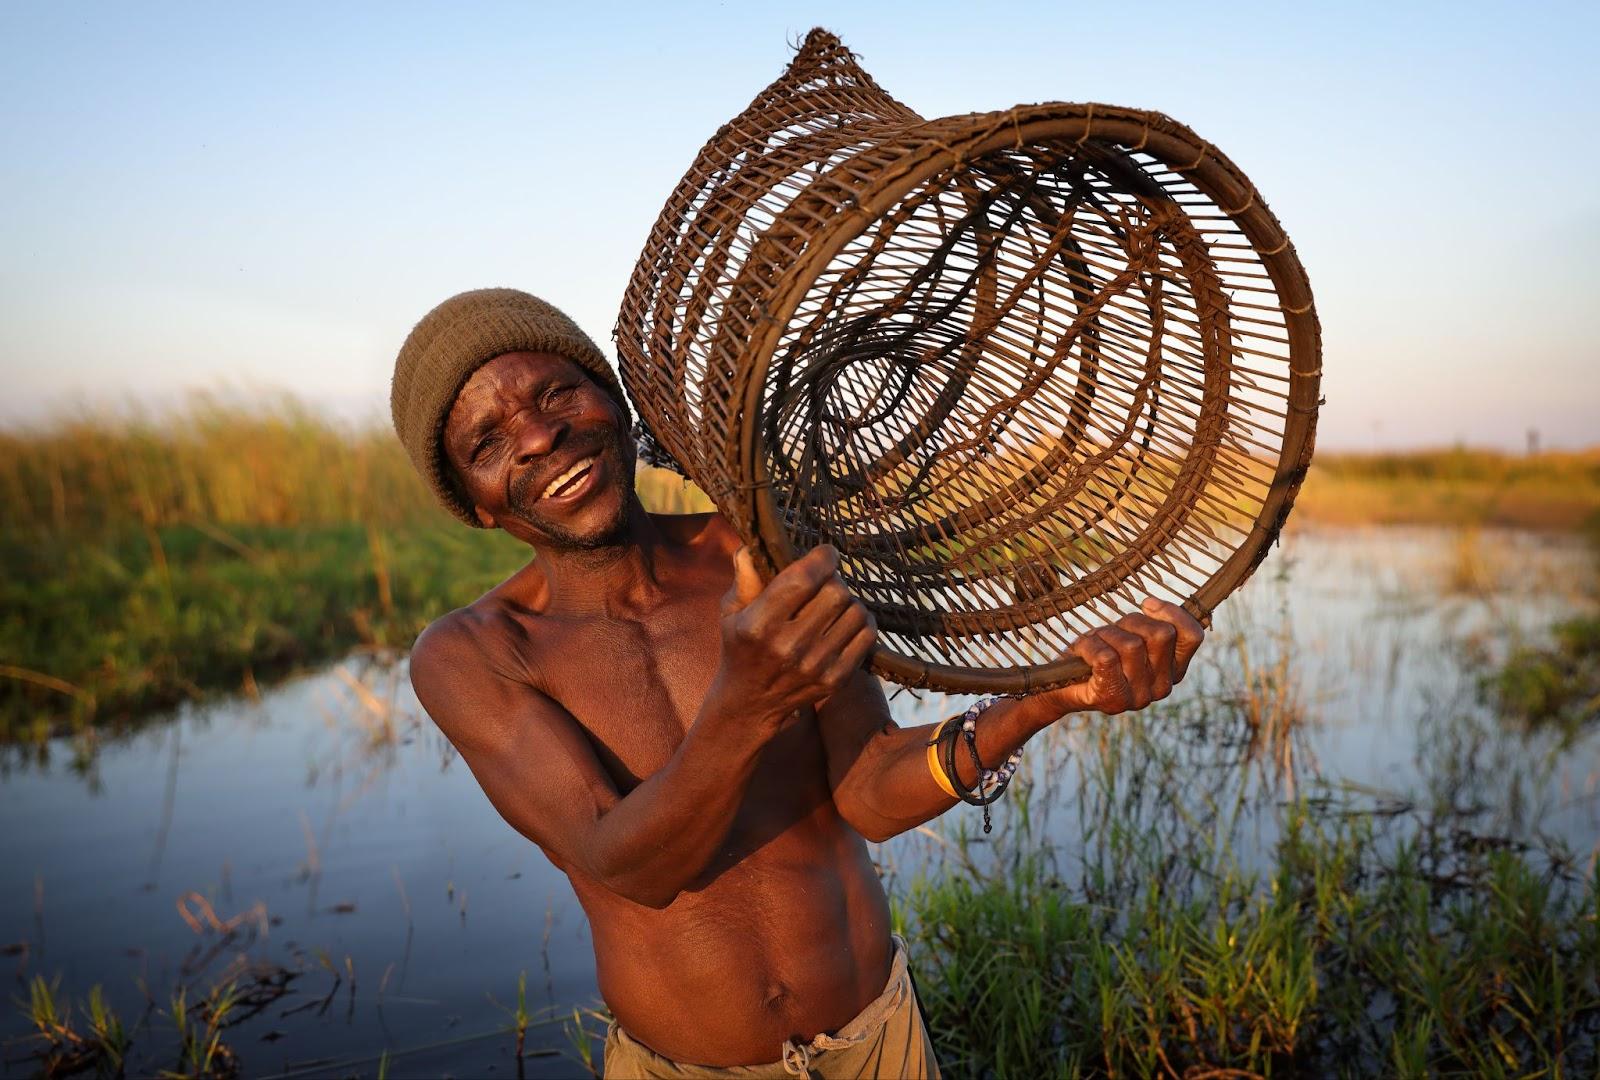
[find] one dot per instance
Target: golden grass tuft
(1461, 487)
(213, 463)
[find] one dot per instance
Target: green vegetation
(1555, 684)
(1369, 940)
(60, 1046)
(104, 630)
(201, 1051)
(1558, 684)
(151, 559)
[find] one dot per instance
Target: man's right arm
(783, 647)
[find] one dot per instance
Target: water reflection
(321, 851)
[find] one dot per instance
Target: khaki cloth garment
(887, 1039)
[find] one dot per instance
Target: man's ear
(483, 517)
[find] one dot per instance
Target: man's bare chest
(634, 685)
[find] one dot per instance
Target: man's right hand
(792, 643)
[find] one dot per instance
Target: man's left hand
(1133, 662)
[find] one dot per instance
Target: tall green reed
(1189, 914)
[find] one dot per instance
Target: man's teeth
(561, 481)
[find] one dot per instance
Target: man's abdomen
(790, 941)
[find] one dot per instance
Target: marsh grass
(151, 559)
(60, 1046)
(1269, 703)
(201, 1051)
(1210, 906)
(1370, 939)
(1470, 567)
(584, 1032)
(1459, 486)
(1555, 683)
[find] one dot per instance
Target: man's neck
(616, 579)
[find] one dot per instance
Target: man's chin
(564, 536)
(578, 532)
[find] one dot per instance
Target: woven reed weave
(1021, 368)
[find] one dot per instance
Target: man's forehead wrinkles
(486, 402)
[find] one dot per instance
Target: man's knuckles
(814, 567)
(1096, 653)
(1128, 645)
(1111, 693)
(1162, 635)
(835, 592)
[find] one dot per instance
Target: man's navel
(776, 997)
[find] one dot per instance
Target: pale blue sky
(212, 195)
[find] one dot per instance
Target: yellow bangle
(934, 766)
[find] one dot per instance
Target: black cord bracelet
(989, 784)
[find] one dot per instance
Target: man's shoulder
(470, 642)
(446, 637)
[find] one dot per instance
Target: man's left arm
(879, 771)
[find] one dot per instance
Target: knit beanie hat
(457, 338)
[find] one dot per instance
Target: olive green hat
(457, 338)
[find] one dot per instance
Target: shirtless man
(704, 756)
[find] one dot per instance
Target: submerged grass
(62, 1044)
(1555, 683)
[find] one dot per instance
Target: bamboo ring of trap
(1021, 368)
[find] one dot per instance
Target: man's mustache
(533, 480)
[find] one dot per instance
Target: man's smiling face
(538, 448)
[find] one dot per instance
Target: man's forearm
(889, 790)
(662, 835)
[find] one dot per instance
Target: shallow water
(383, 876)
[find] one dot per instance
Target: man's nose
(537, 436)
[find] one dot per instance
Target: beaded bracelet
(991, 783)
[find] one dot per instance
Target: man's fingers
(830, 602)
(1135, 662)
(1190, 632)
(746, 582)
(1160, 640)
(855, 650)
(1106, 689)
(798, 582)
(828, 642)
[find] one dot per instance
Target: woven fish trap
(1022, 368)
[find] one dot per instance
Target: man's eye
(557, 394)
(484, 447)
